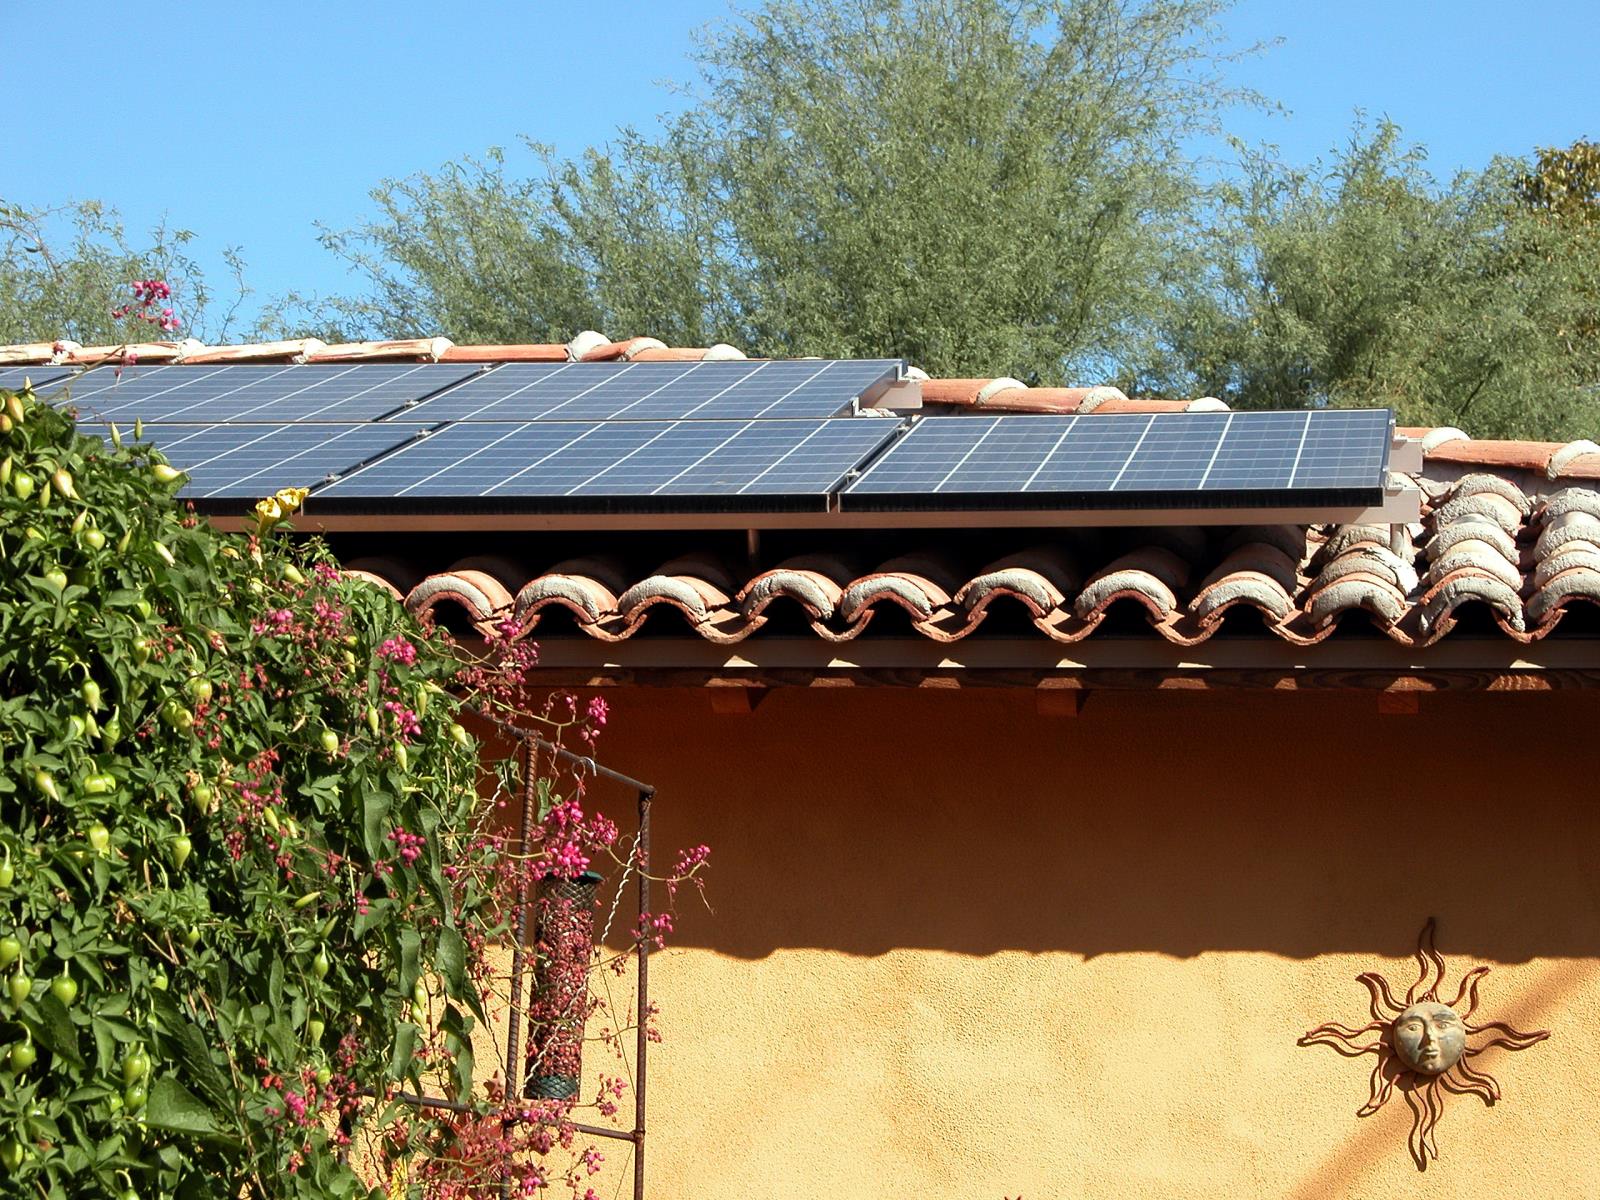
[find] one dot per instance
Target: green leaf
(402, 1062)
(57, 1031)
(195, 1058)
(173, 1107)
(452, 960)
(374, 816)
(410, 967)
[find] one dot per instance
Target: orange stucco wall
(963, 950)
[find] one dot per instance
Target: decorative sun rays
(1422, 1046)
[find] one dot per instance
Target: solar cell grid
(12, 378)
(236, 393)
(1338, 444)
(653, 391)
(251, 461)
(1262, 456)
(560, 463)
(1115, 459)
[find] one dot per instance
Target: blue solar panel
(660, 391)
(273, 395)
(252, 461)
(579, 466)
(12, 378)
(1127, 459)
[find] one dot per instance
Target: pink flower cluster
(406, 722)
(147, 293)
(275, 621)
(409, 845)
(568, 860)
(397, 649)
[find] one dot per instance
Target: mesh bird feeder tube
(564, 948)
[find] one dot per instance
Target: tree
(1363, 282)
(71, 286)
(979, 186)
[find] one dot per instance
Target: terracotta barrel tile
(1033, 400)
(1151, 574)
(1570, 499)
(1370, 560)
(1566, 560)
(1125, 405)
(521, 353)
(1526, 456)
(815, 581)
(1574, 584)
(1582, 466)
(953, 391)
(1042, 577)
(258, 352)
(1577, 529)
(1475, 556)
(1257, 558)
(611, 351)
(429, 349)
(143, 352)
(1479, 482)
(28, 354)
(587, 587)
(1465, 586)
(1373, 593)
(1497, 508)
(1454, 534)
(920, 584)
(483, 597)
(586, 598)
(1251, 575)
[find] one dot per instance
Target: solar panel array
(271, 395)
(12, 378)
(234, 462)
(577, 466)
(1125, 459)
(655, 391)
(696, 436)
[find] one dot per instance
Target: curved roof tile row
(1483, 542)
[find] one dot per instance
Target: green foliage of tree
(979, 186)
(64, 271)
(1363, 282)
(1564, 183)
(240, 843)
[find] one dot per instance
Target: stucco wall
(962, 950)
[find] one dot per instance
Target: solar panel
(660, 391)
(238, 393)
(1132, 460)
(12, 378)
(252, 461)
(594, 466)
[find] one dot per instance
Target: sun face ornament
(1423, 1045)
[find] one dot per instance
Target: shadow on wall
(862, 820)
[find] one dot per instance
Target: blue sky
(249, 122)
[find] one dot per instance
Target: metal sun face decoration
(1423, 1045)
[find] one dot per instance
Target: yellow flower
(291, 498)
(268, 514)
